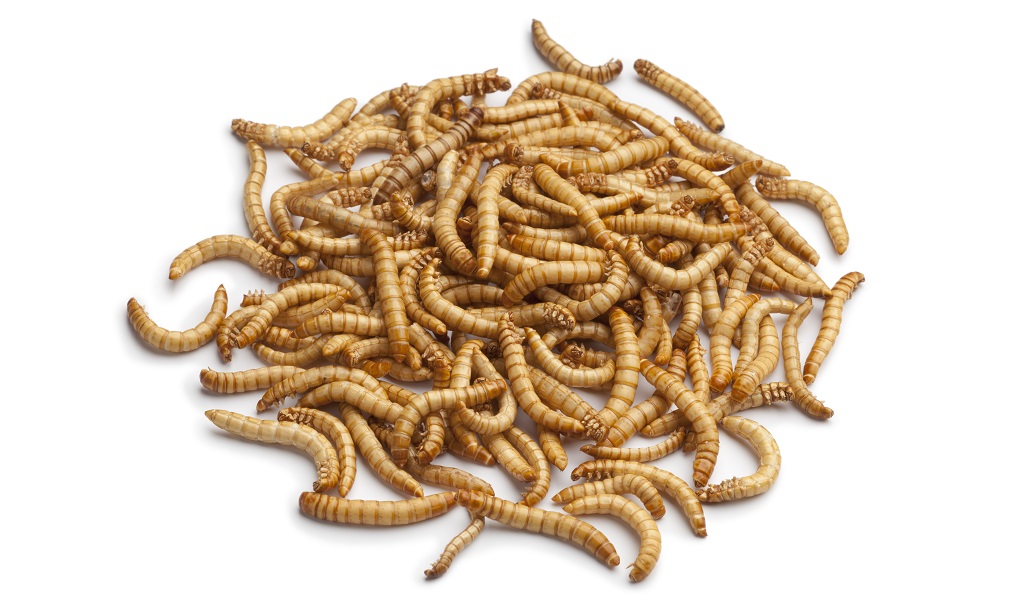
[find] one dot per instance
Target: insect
(767, 470)
(375, 512)
(639, 519)
(831, 318)
(683, 92)
(566, 62)
(178, 341)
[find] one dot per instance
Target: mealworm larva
(627, 367)
(629, 423)
(586, 214)
(375, 512)
(290, 137)
(301, 358)
(335, 430)
(831, 318)
(376, 456)
(535, 457)
(642, 454)
(252, 199)
(671, 278)
(541, 521)
(274, 304)
(825, 203)
(551, 443)
(449, 477)
(305, 380)
(606, 295)
(691, 318)
(717, 143)
(231, 246)
(767, 359)
(802, 396)
(333, 277)
(506, 455)
(721, 340)
(695, 411)
(638, 485)
(614, 160)
(260, 378)
(285, 433)
(664, 481)
(326, 212)
(347, 392)
(389, 293)
(770, 461)
(410, 293)
(576, 377)
(457, 255)
(683, 92)
(751, 322)
(674, 226)
(341, 323)
(638, 518)
(363, 266)
(739, 275)
(228, 328)
(550, 273)
(651, 332)
(724, 405)
(563, 399)
(178, 341)
(454, 547)
(566, 62)
(486, 231)
(448, 88)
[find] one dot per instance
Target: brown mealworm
(178, 341)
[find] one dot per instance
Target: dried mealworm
(638, 518)
(695, 411)
(638, 485)
(231, 246)
(717, 143)
(683, 92)
(541, 521)
(260, 378)
(375, 454)
(375, 512)
(335, 430)
(565, 62)
(178, 341)
(290, 137)
(826, 204)
(831, 318)
(285, 433)
(767, 469)
(802, 396)
(666, 482)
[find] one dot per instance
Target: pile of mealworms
(507, 254)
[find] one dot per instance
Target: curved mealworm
(456, 253)
(448, 477)
(721, 340)
(375, 512)
(358, 294)
(666, 482)
(831, 318)
(546, 359)
(587, 216)
(541, 521)
(638, 485)
(285, 433)
(486, 233)
(638, 518)
(393, 179)
(252, 199)
(679, 145)
(628, 424)
(231, 246)
(535, 457)
(613, 160)
(335, 430)
(717, 143)
(548, 273)
(825, 203)
(347, 392)
(363, 266)
(260, 378)
(376, 456)
(274, 304)
(448, 88)
(305, 380)
(326, 212)
(695, 411)
(802, 396)
(670, 278)
(641, 454)
(627, 367)
(291, 137)
(566, 62)
(228, 328)
(303, 357)
(178, 341)
(768, 467)
(767, 359)
(653, 328)
(506, 455)
(683, 92)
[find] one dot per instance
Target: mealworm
(653, 327)
(252, 199)
(767, 359)
(628, 424)
(637, 518)
(770, 461)
(449, 477)
(551, 443)
(671, 278)
(831, 318)
(566, 62)
(335, 430)
(389, 293)
(627, 367)
(565, 192)
(535, 457)
(228, 328)
(546, 359)
(178, 341)
(549, 273)
(739, 274)
(231, 246)
(303, 357)
(823, 201)
(455, 546)
(285, 433)
(485, 233)
(304, 380)
(347, 392)
(802, 396)
(363, 266)
(506, 455)
(326, 212)
(395, 178)
(456, 253)
(522, 387)
(447, 88)
(260, 378)
(749, 329)
(614, 160)
(289, 137)
(638, 485)
(664, 481)
(541, 521)
(274, 304)
(641, 454)
(333, 277)
(376, 456)
(721, 340)
(717, 143)
(683, 92)
(695, 411)
(375, 512)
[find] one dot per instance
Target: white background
(119, 155)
